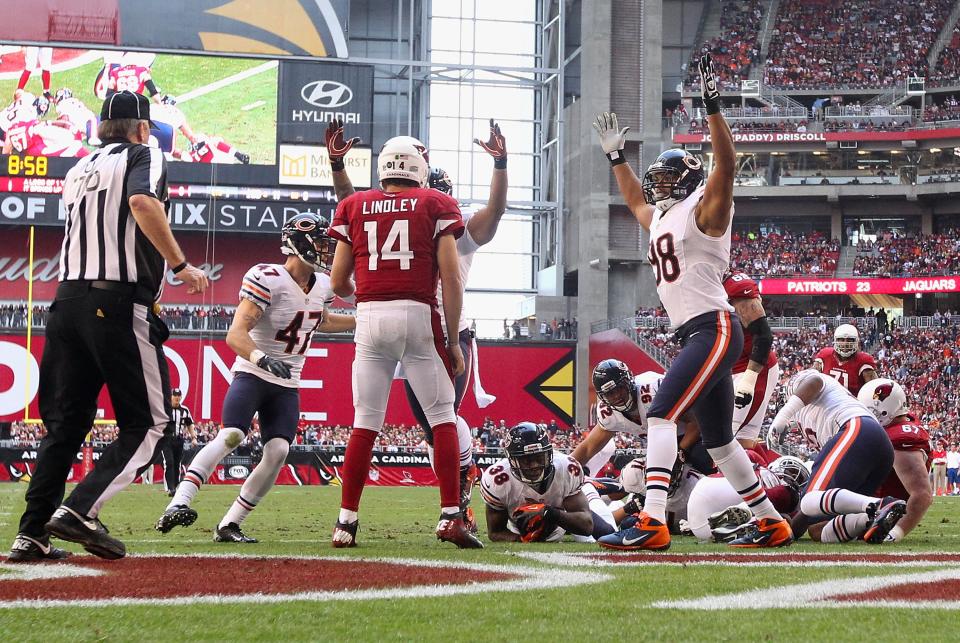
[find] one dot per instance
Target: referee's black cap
(126, 104)
(175, 391)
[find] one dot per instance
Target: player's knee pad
(231, 436)
(275, 451)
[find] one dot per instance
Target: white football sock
(204, 463)
(833, 502)
(661, 456)
(259, 482)
(737, 468)
(845, 528)
(466, 442)
(347, 516)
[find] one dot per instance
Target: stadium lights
(896, 151)
(935, 150)
(862, 152)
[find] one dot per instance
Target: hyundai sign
(313, 94)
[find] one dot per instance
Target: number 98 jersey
(503, 491)
(290, 317)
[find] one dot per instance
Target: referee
(171, 445)
(102, 331)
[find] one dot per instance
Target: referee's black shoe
(177, 515)
(29, 550)
(67, 524)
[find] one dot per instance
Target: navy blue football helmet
(305, 235)
(615, 385)
(530, 454)
(672, 178)
(440, 180)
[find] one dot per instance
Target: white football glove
(746, 384)
(612, 138)
(775, 436)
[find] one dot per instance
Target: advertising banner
(819, 137)
(313, 94)
(864, 286)
(278, 28)
(537, 386)
(310, 165)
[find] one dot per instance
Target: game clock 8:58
(26, 165)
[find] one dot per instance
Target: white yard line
(229, 80)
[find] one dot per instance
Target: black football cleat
(883, 517)
(177, 515)
(453, 529)
(31, 550)
(345, 534)
(231, 533)
(67, 524)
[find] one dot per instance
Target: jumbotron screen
(207, 109)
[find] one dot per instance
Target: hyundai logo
(326, 93)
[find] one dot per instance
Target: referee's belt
(78, 287)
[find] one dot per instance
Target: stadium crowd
(783, 253)
(909, 255)
(948, 110)
(852, 43)
(947, 69)
(737, 47)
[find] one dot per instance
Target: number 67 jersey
(290, 317)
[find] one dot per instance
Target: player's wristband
(616, 157)
(500, 163)
(337, 165)
(180, 266)
(256, 355)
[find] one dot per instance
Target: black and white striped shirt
(180, 419)
(102, 239)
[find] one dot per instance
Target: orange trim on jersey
(709, 367)
(250, 285)
(825, 474)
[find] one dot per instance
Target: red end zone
(89, 581)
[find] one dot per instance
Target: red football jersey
(23, 137)
(848, 372)
(394, 239)
(907, 435)
(740, 286)
(131, 78)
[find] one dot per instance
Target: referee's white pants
(405, 332)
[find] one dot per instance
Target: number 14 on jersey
(396, 247)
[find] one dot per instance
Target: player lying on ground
(689, 221)
(533, 495)
(481, 226)
(855, 457)
(396, 241)
(281, 307)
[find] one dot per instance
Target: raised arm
(337, 148)
(612, 140)
(713, 213)
(483, 225)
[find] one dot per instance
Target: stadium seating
(909, 256)
(737, 47)
(947, 69)
(784, 254)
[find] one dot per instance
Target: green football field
(243, 113)
(587, 602)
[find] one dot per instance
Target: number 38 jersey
(504, 491)
(290, 317)
(688, 264)
(394, 239)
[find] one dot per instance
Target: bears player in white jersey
(855, 457)
(281, 307)
(689, 224)
(71, 110)
(533, 495)
(481, 226)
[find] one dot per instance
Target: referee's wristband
(180, 266)
(616, 157)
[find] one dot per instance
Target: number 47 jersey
(290, 317)
(394, 240)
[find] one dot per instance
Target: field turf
(218, 113)
(399, 522)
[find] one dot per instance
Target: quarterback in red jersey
(756, 372)
(395, 242)
(845, 362)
